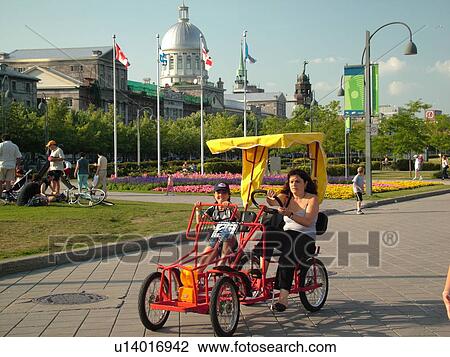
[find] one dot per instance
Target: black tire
(224, 307)
(91, 197)
(152, 319)
(246, 265)
(313, 300)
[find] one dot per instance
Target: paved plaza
(394, 290)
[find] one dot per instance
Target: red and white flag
(206, 58)
(121, 57)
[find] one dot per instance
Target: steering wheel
(266, 209)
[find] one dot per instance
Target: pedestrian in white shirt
(55, 171)
(9, 156)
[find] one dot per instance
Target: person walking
(358, 189)
(82, 172)
(418, 163)
(444, 165)
(9, 157)
(56, 168)
(101, 173)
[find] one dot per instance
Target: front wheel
(91, 197)
(313, 300)
(149, 294)
(224, 308)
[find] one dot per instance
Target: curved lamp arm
(388, 24)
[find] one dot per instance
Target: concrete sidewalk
(396, 293)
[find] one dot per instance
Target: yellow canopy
(256, 153)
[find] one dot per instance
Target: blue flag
(247, 55)
(162, 58)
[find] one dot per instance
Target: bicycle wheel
(224, 308)
(149, 293)
(91, 197)
(313, 300)
(3, 202)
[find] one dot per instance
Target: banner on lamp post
(354, 91)
(375, 89)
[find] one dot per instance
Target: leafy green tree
(439, 133)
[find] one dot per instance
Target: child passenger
(221, 213)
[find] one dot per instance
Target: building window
(69, 102)
(188, 62)
(197, 62)
(28, 103)
(28, 87)
(76, 68)
(14, 85)
(171, 62)
(179, 63)
(20, 69)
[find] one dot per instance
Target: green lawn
(26, 230)
(394, 194)
(399, 175)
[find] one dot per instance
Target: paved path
(340, 205)
(400, 297)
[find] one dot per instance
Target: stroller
(10, 196)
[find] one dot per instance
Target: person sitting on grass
(34, 193)
(221, 213)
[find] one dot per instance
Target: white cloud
(323, 86)
(324, 60)
(399, 88)
(442, 67)
(392, 65)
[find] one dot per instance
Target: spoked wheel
(224, 307)
(149, 293)
(91, 197)
(313, 300)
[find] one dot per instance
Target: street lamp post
(138, 127)
(341, 93)
(43, 107)
(313, 104)
(411, 49)
(6, 95)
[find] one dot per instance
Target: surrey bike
(218, 289)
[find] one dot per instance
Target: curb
(12, 266)
(388, 201)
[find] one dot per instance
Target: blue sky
(281, 35)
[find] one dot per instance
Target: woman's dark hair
(82, 154)
(311, 186)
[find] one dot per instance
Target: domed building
(181, 44)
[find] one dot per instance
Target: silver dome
(183, 35)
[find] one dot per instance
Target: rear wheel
(91, 197)
(149, 294)
(224, 308)
(313, 300)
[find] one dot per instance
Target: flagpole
(114, 105)
(157, 109)
(202, 154)
(245, 82)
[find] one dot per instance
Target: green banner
(375, 89)
(354, 91)
(348, 124)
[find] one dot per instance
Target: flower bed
(334, 191)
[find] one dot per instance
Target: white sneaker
(420, 178)
(359, 212)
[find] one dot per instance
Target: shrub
(233, 167)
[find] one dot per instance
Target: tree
(439, 133)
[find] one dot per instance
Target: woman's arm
(312, 210)
(446, 293)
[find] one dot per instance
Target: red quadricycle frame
(220, 285)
